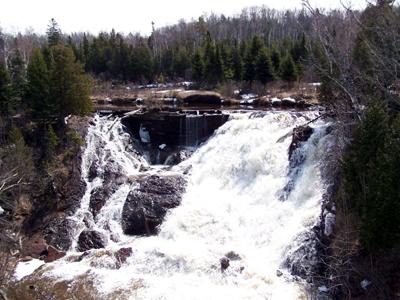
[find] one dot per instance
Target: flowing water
(232, 203)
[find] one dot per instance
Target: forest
(354, 54)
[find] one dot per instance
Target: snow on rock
(275, 100)
(289, 99)
(162, 146)
(27, 268)
(1, 210)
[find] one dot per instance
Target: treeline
(109, 56)
(260, 44)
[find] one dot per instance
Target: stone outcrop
(91, 239)
(147, 205)
(177, 128)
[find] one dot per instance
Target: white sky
(127, 15)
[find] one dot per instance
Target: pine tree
(5, 91)
(237, 65)
(197, 66)
(288, 69)
(37, 94)
(17, 70)
(69, 86)
(264, 68)
(53, 33)
(276, 60)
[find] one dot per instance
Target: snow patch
(27, 268)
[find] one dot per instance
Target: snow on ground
(27, 268)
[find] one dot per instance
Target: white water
(231, 204)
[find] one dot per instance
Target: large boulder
(58, 233)
(147, 205)
(91, 239)
(199, 97)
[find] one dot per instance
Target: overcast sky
(126, 15)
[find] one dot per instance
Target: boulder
(122, 255)
(300, 134)
(91, 239)
(58, 233)
(146, 205)
(99, 197)
(233, 255)
(224, 263)
(199, 97)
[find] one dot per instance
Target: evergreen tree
(197, 66)
(264, 68)
(276, 60)
(38, 94)
(237, 64)
(5, 91)
(288, 69)
(17, 70)
(53, 33)
(69, 86)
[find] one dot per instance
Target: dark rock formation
(199, 97)
(233, 255)
(179, 128)
(146, 206)
(58, 233)
(122, 255)
(91, 239)
(99, 197)
(300, 134)
(224, 263)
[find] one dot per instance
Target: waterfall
(232, 205)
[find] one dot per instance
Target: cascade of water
(232, 203)
(108, 156)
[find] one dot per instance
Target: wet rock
(53, 254)
(58, 233)
(300, 134)
(233, 255)
(224, 263)
(99, 197)
(122, 255)
(288, 102)
(91, 239)
(93, 170)
(146, 205)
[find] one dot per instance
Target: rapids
(232, 203)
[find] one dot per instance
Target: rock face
(179, 128)
(146, 206)
(90, 239)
